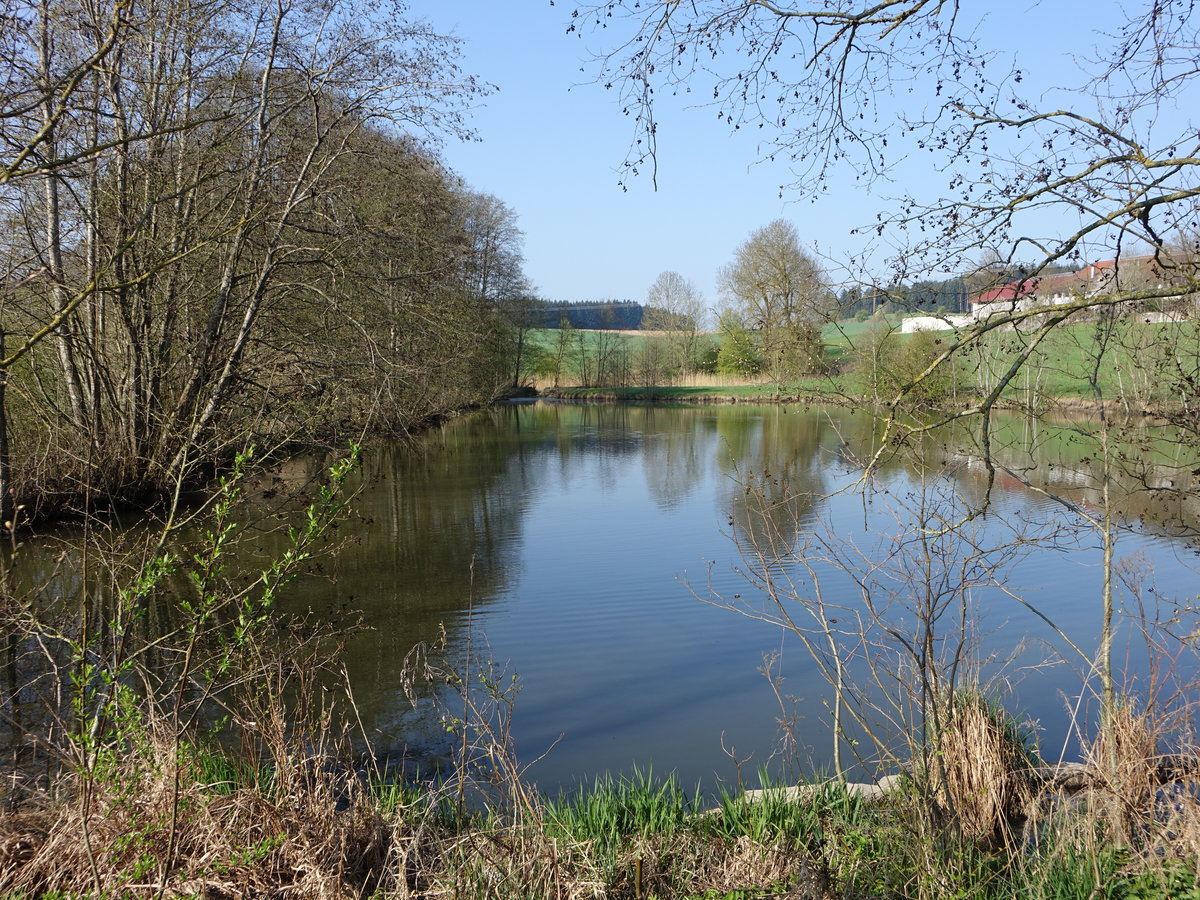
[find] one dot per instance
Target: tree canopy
(779, 289)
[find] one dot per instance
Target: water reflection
(574, 538)
(571, 543)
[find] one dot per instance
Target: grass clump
(981, 768)
(616, 809)
(299, 824)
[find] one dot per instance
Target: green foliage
(136, 689)
(708, 358)
(777, 816)
(889, 362)
(219, 771)
(219, 628)
(1066, 872)
(1174, 880)
(739, 354)
(616, 809)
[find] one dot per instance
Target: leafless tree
(675, 307)
(780, 290)
(176, 180)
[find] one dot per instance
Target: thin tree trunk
(54, 260)
(7, 502)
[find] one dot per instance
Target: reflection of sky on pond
(590, 530)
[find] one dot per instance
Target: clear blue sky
(552, 144)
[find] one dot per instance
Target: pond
(582, 547)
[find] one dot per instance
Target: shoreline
(1080, 408)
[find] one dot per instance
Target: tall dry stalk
(985, 776)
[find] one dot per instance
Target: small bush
(738, 355)
(889, 362)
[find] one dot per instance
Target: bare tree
(780, 290)
(175, 176)
(675, 307)
(493, 261)
(493, 270)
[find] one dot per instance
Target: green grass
(1139, 366)
(615, 810)
(1138, 362)
(778, 816)
(221, 773)
(850, 331)
(677, 393)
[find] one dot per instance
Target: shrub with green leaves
(889, 362)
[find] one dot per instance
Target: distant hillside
(624, 315)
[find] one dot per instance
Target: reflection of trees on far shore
(777, 463)
(1151, 467)
(676, 455)
(437, 528)
(435, 537)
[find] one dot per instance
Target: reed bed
(171, 819)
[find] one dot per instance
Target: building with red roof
(1050, 290)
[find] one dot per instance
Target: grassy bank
(168, 820)
(696, 393)
(1129, 365)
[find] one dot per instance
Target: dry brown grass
(150, 825)
(283, 816)
(984, 769)
(317, 834)
(155, 822)
(700, 379)
(1124, 760)
(724, 866)
(496, 864)
(1126, 797)
(1137, 800)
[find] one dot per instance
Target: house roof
(1134, 266)
(1050, 285)
(1014, 290)
(1058, 284)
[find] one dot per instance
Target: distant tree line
(930, 297)
(936, 296)
(592, 315)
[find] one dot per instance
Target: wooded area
(228, 222)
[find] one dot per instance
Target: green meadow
(1132, 364)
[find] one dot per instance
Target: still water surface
(575, 545)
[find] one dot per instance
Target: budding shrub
(889, 361)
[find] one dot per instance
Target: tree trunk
(7, 508)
